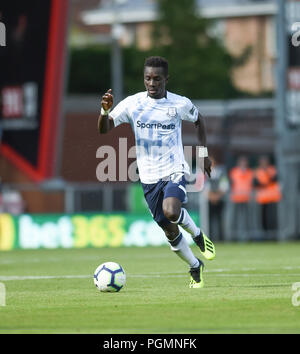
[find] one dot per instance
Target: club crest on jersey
(172, 112)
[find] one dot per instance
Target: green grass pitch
(248, 289)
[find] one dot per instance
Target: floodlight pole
(281, 69)
(280, 108)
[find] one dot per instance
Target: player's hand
(107, 100)
(207, 166)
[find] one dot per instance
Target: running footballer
(155, 116)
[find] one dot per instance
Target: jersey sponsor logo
(142, 125)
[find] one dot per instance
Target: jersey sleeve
(189, 111)
(120, 113)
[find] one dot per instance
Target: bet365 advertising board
(50, 231)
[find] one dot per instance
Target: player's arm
(105, 122)
(201, 129)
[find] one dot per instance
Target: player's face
(155, 82)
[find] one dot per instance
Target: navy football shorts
(173, 186)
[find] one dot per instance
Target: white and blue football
(109, 277)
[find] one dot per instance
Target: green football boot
(207, 248)
(196, 281)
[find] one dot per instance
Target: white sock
(187, 223)
(180, 246)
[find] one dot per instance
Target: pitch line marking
(47, 277)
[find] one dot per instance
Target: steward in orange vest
(267, 187)
(241, 178)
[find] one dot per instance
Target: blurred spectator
(217, 186)
(1, 200)
(12, 202)
(241, 178)
(268, 193)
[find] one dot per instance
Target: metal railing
(239, 222)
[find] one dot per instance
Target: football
(109, 277)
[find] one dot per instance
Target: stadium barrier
(50, 231)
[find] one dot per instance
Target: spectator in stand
(1, 199)
(268, 194)
(241, 178)
(13, 202)
(216, 187)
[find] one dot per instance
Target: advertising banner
(33, 231)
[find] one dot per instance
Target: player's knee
(171, 235)
(171, 213)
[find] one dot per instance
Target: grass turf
(248, 289)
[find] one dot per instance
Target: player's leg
(180, 246)
(154, 194)
(174, 196)
(206, 246)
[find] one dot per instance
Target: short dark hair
(158, 62)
